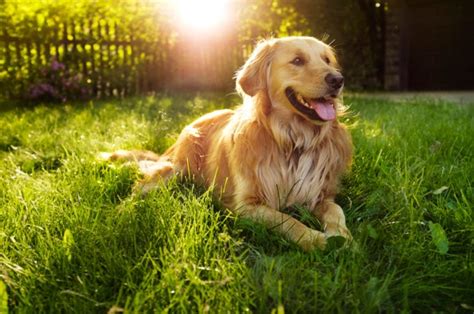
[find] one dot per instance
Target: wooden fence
(112, 62)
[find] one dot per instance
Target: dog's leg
(332, 217)
(130, 155)
(308, 239)
(155, 168)
(154, 172)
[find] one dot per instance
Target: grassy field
(72, 239)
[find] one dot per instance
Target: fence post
(82, 43)
(133, 63)
(38, 48)
(74, 58)
(56, 40)
(8, 61)
(100, 72)
(93, 74)
(64, 42)
(28, 54)
(108, 48)
(47, 49)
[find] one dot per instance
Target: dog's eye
(326, 59)
(297, 61)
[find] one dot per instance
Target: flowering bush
(55, 82)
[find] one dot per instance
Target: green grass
(72, 239)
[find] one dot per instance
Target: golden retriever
(283, 146)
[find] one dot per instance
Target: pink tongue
(325, 110)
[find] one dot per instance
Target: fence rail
(114, 62)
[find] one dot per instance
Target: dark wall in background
(430, 45)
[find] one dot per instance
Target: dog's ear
(252, 76)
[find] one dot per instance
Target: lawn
(73, 239)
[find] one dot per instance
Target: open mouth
(321, 108)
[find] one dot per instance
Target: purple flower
(43, 90)
(57, 83)
(56, 66)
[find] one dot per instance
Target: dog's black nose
(334, 81)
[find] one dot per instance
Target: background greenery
(128, 47)
(72, 239)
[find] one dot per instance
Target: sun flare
(201, 15)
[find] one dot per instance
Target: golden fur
(266, 155)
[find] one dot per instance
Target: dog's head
(300, 75)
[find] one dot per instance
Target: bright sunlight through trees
(202, 15)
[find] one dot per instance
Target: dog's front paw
(144, 186)
(338, 230)
(337, 237)
(312, 240)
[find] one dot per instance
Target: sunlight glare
(201, 14)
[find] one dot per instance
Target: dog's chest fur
(298, 168)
